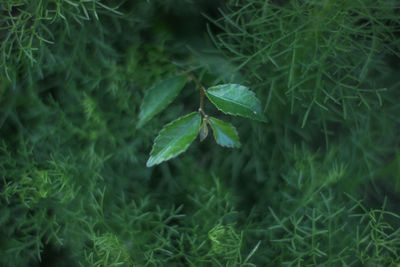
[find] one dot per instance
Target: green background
(318, 185)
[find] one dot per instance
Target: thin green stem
(202, 94)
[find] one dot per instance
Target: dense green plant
(322, 57)
(317, 185)
(324, 71)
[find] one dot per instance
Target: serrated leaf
(203, 130)
(225, 134)
(174, 138)
(159, 97)
(235, 99)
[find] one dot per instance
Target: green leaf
(203, 130)
(224, 133)
(159, 97)
(235, 99)
(174, 138)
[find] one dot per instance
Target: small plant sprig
(176, 136)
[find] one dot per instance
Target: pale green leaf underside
(159, 97)
(203, 130)
(235, 99)
(224, 133)
(174, 138)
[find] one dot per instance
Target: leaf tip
(174, 138)
(150, 162)
(235, 144)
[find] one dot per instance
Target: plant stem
(202, 94)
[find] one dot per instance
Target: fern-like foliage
(312, 57)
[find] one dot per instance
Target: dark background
(315, 186)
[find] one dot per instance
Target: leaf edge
(163, 129)
(260, 117)
(233, 128)
(143, 122)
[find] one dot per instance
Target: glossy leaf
(174, 138)
(203, 130)
(225, 134)
(235, 99)
(159, 97)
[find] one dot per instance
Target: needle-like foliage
(315, 185)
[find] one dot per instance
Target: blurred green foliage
(316, 186)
